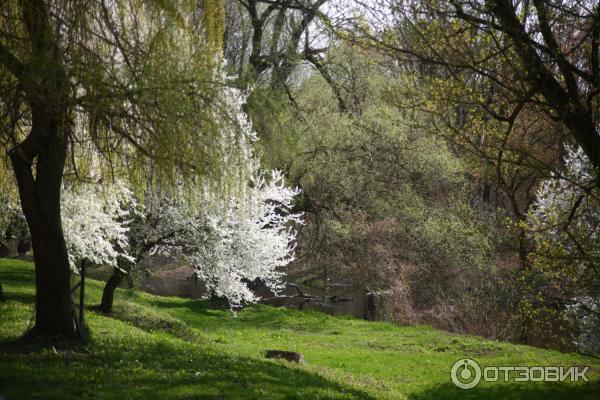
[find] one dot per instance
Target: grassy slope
(172, 348)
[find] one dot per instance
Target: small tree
(246, 237)
(233, 229)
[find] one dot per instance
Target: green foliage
(144, 358)
(144, 98)
(384, 193)
(276, 122)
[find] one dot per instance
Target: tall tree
(275, 37)
(536, 52)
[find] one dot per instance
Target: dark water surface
(335, 300)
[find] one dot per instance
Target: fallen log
(290, 356)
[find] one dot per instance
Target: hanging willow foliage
(213, 19)
(147, 95)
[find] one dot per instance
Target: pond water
(174, 286)
(335, 300)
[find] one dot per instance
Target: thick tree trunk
(40, 200)
(109, 290)
(38, 163)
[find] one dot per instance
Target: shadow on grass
(20, 297)
(147, 320)
(160, 370)
(19, 274)
(515, 390)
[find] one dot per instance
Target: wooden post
(82, 293)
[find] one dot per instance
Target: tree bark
(40, 201)
(108, 294)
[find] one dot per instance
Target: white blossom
(10, 216)
(246, 237)
(586, 310)
(232, 230)
(95, 221)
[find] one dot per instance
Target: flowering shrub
(245, 237)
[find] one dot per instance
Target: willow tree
(129, 81)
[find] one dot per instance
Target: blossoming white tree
(231, 233)
(232, 230)
(246, 237)
(95, 220)
(565, 227)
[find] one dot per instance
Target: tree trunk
(2, 298)
(4, 250)
(38, 163)
(23, 246)
(109, 290)
(45, 150)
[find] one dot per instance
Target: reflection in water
(336, 300)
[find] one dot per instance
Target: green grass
(172, 348)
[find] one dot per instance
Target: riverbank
(174, 348)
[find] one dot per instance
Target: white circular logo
(465, 373)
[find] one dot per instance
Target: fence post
(82, 293)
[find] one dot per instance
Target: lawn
(173, 348)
